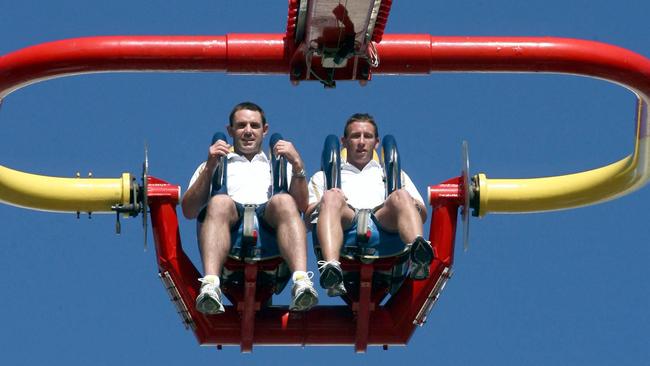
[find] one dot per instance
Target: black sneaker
(331, 278)
(421, 258)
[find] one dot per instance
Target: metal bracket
(422, 315)
(363, 226)
(176, 298)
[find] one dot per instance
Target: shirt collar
(371, 164)
(259, 156)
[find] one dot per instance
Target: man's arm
(415, 194)
(198, 193)
(298, 190)
(315, 188)
(298, 186)
(422, 209)
(310, 209)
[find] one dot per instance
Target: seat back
(364, 242)
(251, 241)
(392, 164)
(363, 239)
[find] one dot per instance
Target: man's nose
(248, 128)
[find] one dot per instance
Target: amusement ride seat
(252, 241)
(364, 242)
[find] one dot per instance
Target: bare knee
(400, 200)
(282, 205)
(221, 208)
(333, 200)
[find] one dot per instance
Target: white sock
(213, 279)
(299, 275)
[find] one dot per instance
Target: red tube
(238, 53)
(267, 53)
(410, 54)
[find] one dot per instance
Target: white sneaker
(209, 300)
(303, 294)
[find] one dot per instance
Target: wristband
(299, 174)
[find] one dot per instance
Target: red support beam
(445, 198)
(248, 308)
(269, 54)
(363, 308)
(392, 324)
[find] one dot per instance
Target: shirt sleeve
(316, 187)
(197, 172)
(410, 187)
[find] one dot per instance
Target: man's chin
(361, 161)
(366, 156)
(245, 150)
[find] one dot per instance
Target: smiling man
(362, 187)
(249, 182)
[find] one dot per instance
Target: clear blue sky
(544, 289)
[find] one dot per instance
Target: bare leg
(282, 214)
(214, 234)
(400, 214)
(334, 215)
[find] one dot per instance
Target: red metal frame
(362, 323)
(270, 54)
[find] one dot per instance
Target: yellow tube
(572, 190)
(63, 194)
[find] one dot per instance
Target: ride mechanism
(326, 41)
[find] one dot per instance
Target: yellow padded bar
(344, 155)
(572, 190)
(63, 194)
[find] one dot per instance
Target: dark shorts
(381, 244)
(266, 246)
(259, 213)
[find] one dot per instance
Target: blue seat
(251, 240)
(365, 241)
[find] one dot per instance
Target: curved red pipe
(268, 54)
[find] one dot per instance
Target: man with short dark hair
(249, 182)
(362, 187)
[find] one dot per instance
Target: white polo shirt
(249, 182)
(363, 188)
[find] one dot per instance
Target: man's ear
(265, 129)
(376, 143)
(230, 131)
